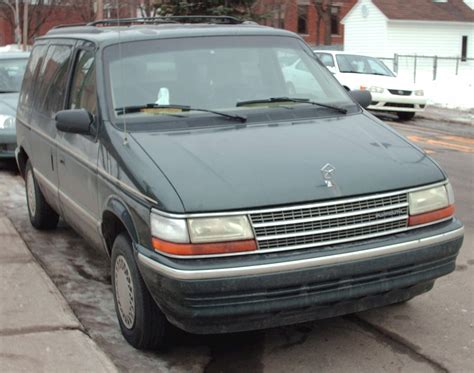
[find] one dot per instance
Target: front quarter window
(83, 90)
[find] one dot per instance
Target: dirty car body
(269, 210)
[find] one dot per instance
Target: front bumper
(398, 103)
(225, 295)
(7, 143)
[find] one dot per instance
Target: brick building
(302, 16)
(64, 12)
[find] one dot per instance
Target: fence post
(395, 63)
(435, 66)
(414, 71)
(457, 65)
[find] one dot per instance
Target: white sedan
(389, 93)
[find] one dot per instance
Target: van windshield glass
(215, 73)
(11, 74)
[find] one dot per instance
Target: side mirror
(331, 69)
(74, 121)
(363, 98)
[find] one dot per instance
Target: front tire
(142, 323)
(403, 115)
(42, 216)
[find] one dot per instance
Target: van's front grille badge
(330, 223)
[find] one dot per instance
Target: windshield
(215, 73)
(349, 63)
(11, 74)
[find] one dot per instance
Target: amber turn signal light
(203, 248)
(431, 216)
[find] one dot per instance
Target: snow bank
(456, 92)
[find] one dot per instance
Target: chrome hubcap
(30, 189)
(124, 292)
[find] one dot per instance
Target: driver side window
(83, 89)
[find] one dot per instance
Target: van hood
(234, 168)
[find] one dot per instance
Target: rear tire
(42, 216)
(142, 323)
(405, 115)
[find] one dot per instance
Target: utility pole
(25, 25)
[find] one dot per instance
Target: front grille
(399, 92)
(329, 223)
(396, 104)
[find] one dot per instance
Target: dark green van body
(109, 181)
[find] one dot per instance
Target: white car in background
(389, 93)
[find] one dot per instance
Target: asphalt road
(434, 332)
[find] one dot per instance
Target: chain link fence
(429, 68)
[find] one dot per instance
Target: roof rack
(226, 20)
(69, 25)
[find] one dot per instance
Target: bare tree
(37, 13)
(86, 9)
(323, 14)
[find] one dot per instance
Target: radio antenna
(124, 119)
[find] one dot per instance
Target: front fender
(116, 211)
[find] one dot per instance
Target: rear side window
(29, 81)
(53, 76)
(83, 89)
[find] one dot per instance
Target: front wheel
(142, 323)
(403, 115)
(42, 216)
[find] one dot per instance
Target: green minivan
(228, 197)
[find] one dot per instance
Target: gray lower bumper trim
(296, 264)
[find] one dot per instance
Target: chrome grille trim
(329, 223)
(328, 209)
(402, 218)
(327, 217)
(331, 238)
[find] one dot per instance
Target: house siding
(365, 34)
(429, 38)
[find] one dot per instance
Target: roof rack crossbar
(69, 25)
(168, 19)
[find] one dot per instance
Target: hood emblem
(328, 172)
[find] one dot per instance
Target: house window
(303, 19)
(335, 20)
(464, 48)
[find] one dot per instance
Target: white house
(416, 30)
(422, 27)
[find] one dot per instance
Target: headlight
(168, 229)
(431, 204)
(7, 122)
(419, 92)
(375, 89)
(222, 229)
(428, 200)
(199, 236)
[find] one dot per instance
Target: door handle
(61, 161)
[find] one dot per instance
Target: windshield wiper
(2, 91)
(137, 108)
(292, 99)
